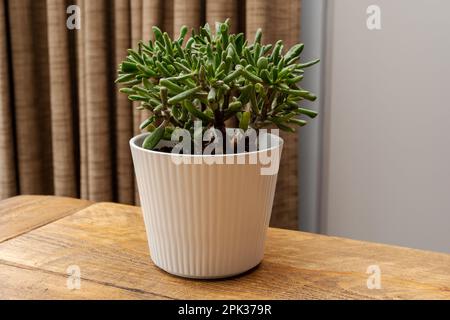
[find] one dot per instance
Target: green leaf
(195, 112)
(135, 97)
(184, 95)
(308, 112)
(205, 32)
(262, 63)
(140, 90)
(176, 112)
(209, 53)
(136, 56)
(182, 66)
(147, 84)
(212, 95)
(163, 94)
(162, 69)
(128, 67)
(239, 43)
(265, 76)
(257, 52)
(301, 93)
(276, 51)
(294, 80)
(155, 137)
(294, 52)
(224, 34)
(253, 101)
(125, 78)
(158, 34)
(308, 96)
(189, 43)
(232, 76)
(168, 44)
(209, 114)
(235, 106)
(298, 122)
(231, 52)
(248, 56)
(258, 36)
(309, 64)
(147, 122)
(168, 133)
(274, 75)
(266, 48)
(282, 126)
(245, 120)
(127, 91)
(250, 76)
(146, 71)
(181, 77)
(183, 32)
(179, 50)
(172, 86)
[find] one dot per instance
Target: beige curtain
(64, 130)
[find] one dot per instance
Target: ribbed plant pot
(205, 220)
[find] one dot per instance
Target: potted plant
(207, 188)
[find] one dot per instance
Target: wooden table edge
(14, 206)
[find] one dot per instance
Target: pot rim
(139, 136)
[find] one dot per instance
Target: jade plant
(213, 77)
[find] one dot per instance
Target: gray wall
(310, 139)
(385, 154)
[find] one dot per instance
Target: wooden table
(43, 237)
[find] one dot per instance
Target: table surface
(44, 238)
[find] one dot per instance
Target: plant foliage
(213, 77)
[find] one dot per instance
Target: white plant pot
(205, 220)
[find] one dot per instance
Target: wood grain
(24, 213)
(19, 282)
(107, 241)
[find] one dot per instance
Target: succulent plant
(213, 77)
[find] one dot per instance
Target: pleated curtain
(64, 128)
